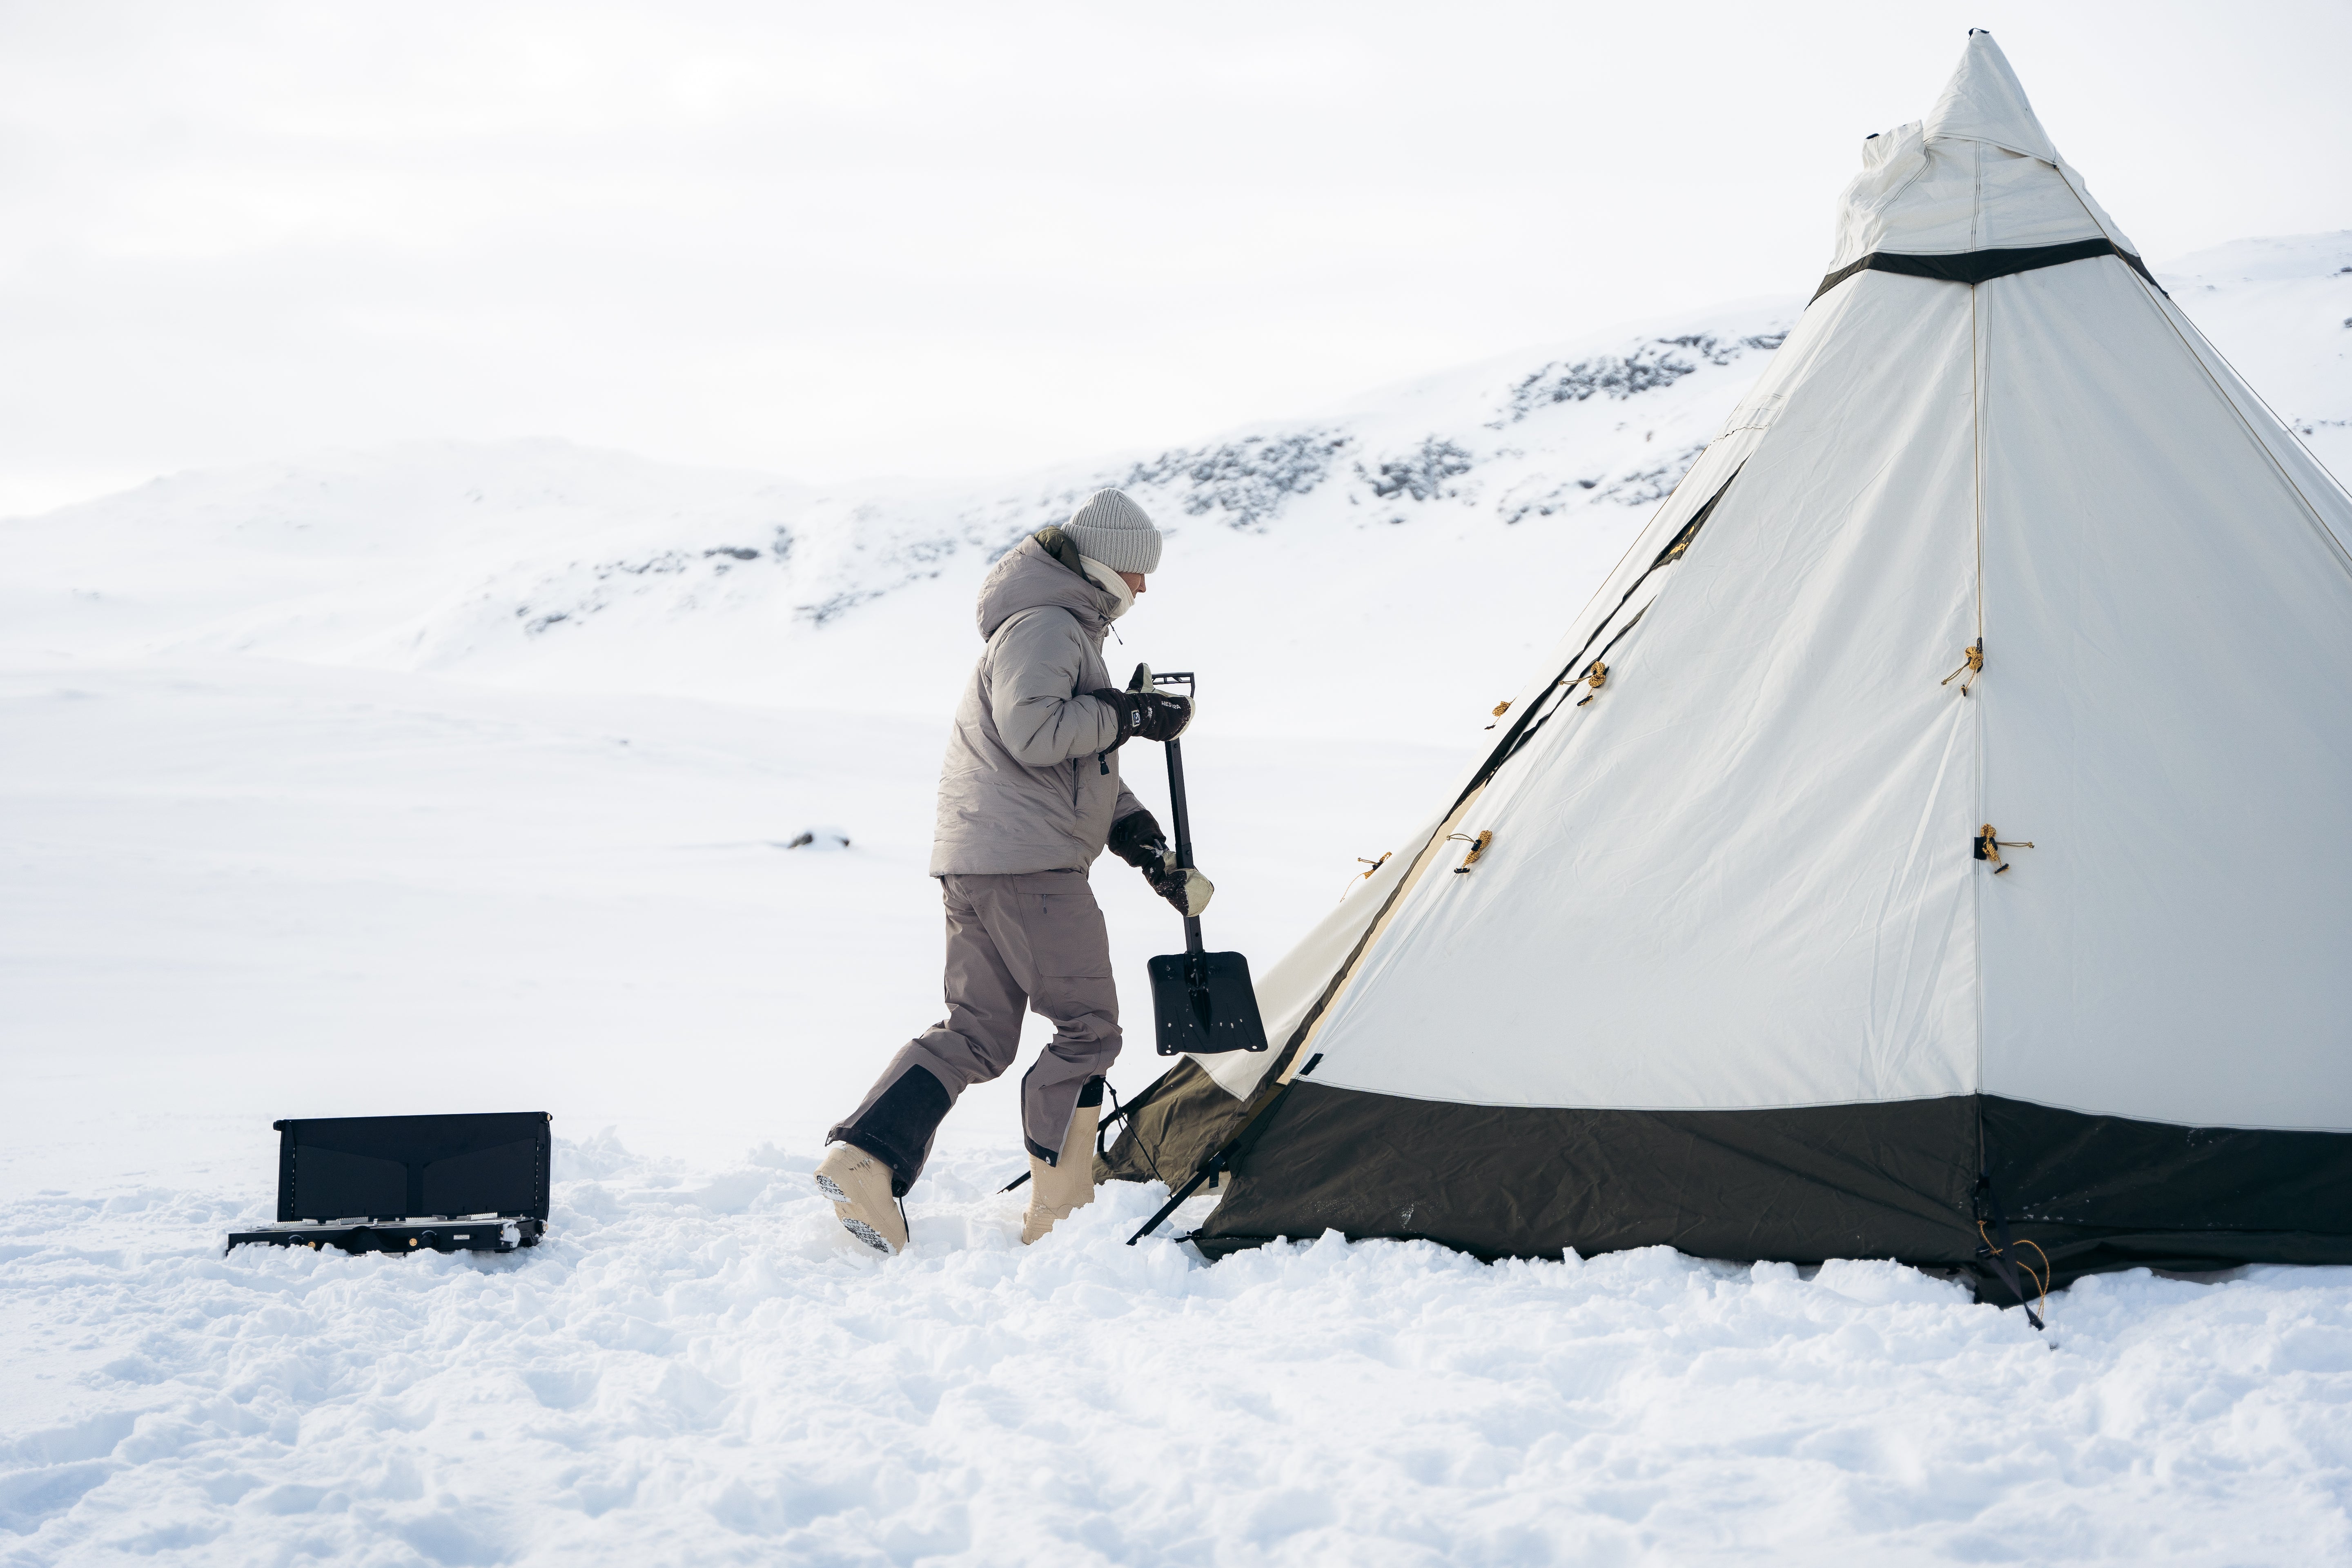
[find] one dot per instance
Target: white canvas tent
(1734, 971)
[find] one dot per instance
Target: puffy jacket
(1031, 779)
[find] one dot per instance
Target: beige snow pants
(1033, 941)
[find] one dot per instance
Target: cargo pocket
(1071, 940)
(1071, 948)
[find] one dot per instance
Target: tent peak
(1985, 102)
(1978, 174)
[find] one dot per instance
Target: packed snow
(467, 778)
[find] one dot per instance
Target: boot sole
(869, 1235)
(857, 1228)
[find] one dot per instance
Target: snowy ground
(300, 815)
(698, 1368)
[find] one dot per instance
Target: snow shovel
(1202, 1001)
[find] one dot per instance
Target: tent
(1933, 842)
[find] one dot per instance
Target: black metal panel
(335, 1183)
(404, 1167)
(457, 1184)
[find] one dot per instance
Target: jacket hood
(1031, 576)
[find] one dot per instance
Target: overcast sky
(840, 240)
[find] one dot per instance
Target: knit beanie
(1115, 530)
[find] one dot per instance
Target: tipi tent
(1943, 816)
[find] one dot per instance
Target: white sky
(838, 240)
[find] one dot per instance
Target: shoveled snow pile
(699, 1367)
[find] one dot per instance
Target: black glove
(1136, 838)
(1153, 715)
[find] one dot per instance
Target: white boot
(1057, 1191)
(859, 1186)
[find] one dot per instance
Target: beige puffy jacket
(1031, 780)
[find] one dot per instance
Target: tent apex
(1984, 102)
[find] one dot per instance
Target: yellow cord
(2041, 1280)
(2042, 1284)
(1972, 666)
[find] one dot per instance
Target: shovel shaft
(1183, 832)
(1176, 802)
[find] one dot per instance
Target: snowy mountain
(1427, 538)
(1298, 550)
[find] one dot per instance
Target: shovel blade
(1203, 1001)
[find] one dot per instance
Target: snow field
(699, 1367)
(240, 889)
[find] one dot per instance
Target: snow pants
(1033, 941)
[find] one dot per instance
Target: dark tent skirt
(1807, 1184)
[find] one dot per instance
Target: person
(1029, 796)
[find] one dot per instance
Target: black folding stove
(405, 1183)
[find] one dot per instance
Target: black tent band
(1883, 1179)
(1983, 265)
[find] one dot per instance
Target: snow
(451, 777)
(699, 1367)
(243, 890)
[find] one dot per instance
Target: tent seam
(1976, 789)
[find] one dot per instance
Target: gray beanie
(1115, 530)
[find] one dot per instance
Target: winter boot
(859, 1186)
(1055, 1191)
